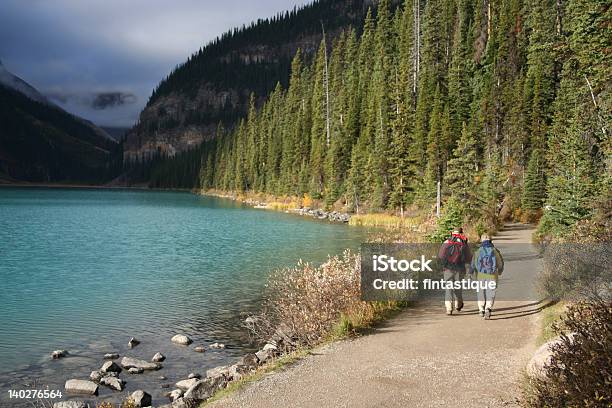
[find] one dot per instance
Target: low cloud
(97, 101)
(112, 99)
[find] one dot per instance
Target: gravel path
(422, 358)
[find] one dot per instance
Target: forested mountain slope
(214, 84)
(506, 104)
(39, 142)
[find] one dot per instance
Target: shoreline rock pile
(188, 392)
(319, 214)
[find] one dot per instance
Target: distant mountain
(116, 133)
(40, 142)
(214, 84)
(14, 82)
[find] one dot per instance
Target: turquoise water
(86, 269)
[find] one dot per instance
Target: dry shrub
(530, 216)
(307, 201)
(309, 301)
(580, 372)
(576, 270)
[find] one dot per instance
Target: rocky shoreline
(184, 393)
(316, 213)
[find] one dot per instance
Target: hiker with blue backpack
(487, 265)
(454, 254)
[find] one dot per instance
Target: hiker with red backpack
(487, 264)
(454, 254)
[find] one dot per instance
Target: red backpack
(454, 254)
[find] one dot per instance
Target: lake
(86, 269)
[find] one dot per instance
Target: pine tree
(534, 190)
(318, 129)
(462, 175)
(571, 185)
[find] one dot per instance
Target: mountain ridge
(214, 85)
(41, 142)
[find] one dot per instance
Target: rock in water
(57, 354)
(193, 375)
(181, 339)
(186, 384)
(70, 404)
(113, 383)
(128, 362)
(140, 399)
(158, 357)
(110, 367)
(96, 376)
(111, 356)
(217, 346)
(135, 370)
(133, 342)
(199, 349)
(81, 387)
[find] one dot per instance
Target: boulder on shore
(249, 360)
(263, 356)
(186, 384)
(181, 339)
(81, 387)
(140, 399)
(175, 394)
(219, 371)
(57, 354)
(204, 389)
(543, 357)
(158, 357)
(128, 362)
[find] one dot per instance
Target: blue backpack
(486, 262)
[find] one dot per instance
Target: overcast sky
(101, 59)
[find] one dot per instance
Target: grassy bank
(416, 220)
(550, 316)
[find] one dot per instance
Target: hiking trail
(421, 358)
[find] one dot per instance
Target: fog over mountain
(101, 59)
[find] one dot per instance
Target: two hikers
(455, 254)
(485, 265)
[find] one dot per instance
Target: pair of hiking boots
(486, 314)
